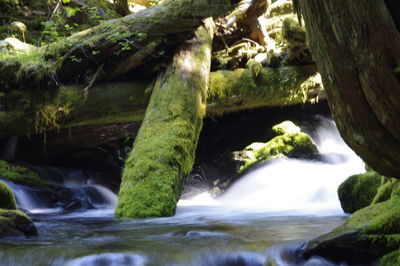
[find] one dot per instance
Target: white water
(287, 186)
(235, 229)
(100, 198)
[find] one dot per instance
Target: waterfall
(74, 190)
(289, 186)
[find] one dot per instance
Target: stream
(264, 217)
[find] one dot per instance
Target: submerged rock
(367, 236)
(291, 143)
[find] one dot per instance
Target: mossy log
(25, 112)
(163, 152)
(118, 45)
(249, 17)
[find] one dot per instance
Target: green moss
(358, 191)
(388, 186)
(36, 112)
(288, 145)
(391, 259)
(164, 149)
(292, 32)
(21, 175)
(286, 127)
(292, 143)
(281, 8)
(373, 231)
(15, 223)
(7, 199)
(241, 89)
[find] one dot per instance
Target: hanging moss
(21, 175)
(242, 89)
(7, 199)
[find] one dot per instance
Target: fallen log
(121, 45)
(164, 149)
(25, 112)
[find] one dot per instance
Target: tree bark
(163, 152)
(120, 45)
(357, 49)
(122, 8)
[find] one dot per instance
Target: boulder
(286, 127)
(7, 199)
(365, 238)
(291, 143)
(358, 191)
(15, 223)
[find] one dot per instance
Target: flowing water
(264, 217)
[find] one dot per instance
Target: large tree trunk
(357, 49)
(121, 6)
(163, 152)
(115, 46)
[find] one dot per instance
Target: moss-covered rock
(391, 259)
(362, 190)
(368, 235)
(390, 187)
(358, 191)
(14, 223)
(286, 127)
(292, 143)
(7, 199)
(21, 175)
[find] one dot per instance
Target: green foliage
(7, 199)
(391, 259)
(21, 175)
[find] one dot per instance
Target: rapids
(264, 217)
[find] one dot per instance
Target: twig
(94, 77)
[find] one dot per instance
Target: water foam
(289, 186)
